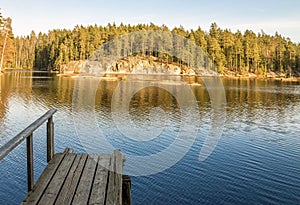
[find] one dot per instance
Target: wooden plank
(110, 197)
(102, 155)
(118, 176)
(57, 181)
(43, 181)
(67, 192)
(68, 150)
(85, 184)
(114, 188)
(100, 182)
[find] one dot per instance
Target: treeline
(7, 49)
(240, 52)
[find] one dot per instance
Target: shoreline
(110, 76)
(113, 76)
(290, 79)
(269, 76)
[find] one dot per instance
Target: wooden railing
(27, 134)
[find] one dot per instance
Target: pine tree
(7, 46)
(238, 49)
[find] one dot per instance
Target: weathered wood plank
(118, 176)
(114, 188)
(110, 197)
(85, 184)
(52, 191)
(43, 181)
(67, 192)
(68, 150)
(100, 182)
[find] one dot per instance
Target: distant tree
(290, 57)
(238, 49)
(214, 48)
(7, 46)
(227, 47)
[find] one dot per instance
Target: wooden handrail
(27, 134)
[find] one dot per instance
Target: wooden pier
(71, 178)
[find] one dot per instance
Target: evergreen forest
(239, 52)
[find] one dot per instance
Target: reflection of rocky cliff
(134, 64)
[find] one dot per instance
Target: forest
(240, 52)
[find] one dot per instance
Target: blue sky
(43, 15)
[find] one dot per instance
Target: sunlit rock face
(132, 64)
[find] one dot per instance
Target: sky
(270, 16)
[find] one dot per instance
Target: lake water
(255, 161)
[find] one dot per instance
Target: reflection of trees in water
(14, 85)
(260, 99)
(250, 99)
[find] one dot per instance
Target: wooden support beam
(50, 139)
(30, 172)
(126, 188)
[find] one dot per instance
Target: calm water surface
(257, 160)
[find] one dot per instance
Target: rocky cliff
(133, 64)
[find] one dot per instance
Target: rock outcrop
(134, 65)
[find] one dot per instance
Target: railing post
(50, 139)
(30, 176)
(126, 187)
(27, 134)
